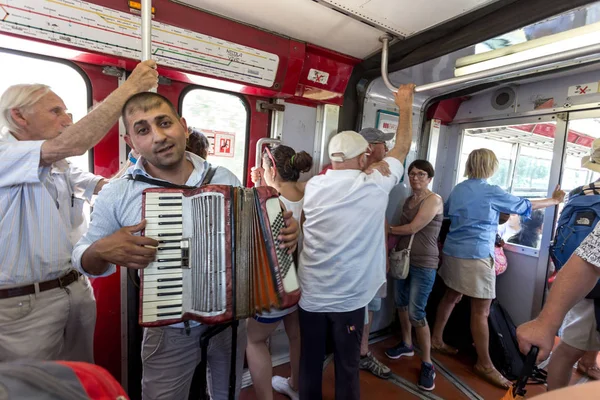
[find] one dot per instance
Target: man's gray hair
(22, 97)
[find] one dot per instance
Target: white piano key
(151, 303)
(171, 252)
(154, 226)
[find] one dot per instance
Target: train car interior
(519, 77)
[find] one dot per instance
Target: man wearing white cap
(580, 340)
(344, 238)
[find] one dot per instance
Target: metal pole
(147, 32)
(495, 73)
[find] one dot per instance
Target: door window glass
(525, 155)
(222, 118)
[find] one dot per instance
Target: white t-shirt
(342, 264)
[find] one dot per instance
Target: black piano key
(169, 234)
(169, 241)
(169, 248)
(169, 197)
(169, 204)
(168, 306)
(168, 259)
(169, 286)
(169, 215)
(168, 279)
(169, 294)
(170, 223)
(168, 314)
(177, 267)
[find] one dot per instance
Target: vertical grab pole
(147, 31)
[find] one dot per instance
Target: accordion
(218, 257)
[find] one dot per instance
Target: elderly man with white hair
(342, 264)
(47, 309)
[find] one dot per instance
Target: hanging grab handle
(259, 145)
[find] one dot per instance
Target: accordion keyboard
(285, 260)
(162, 279)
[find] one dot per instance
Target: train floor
(455, 380)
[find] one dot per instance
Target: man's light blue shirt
(41, 212)
(473, 208)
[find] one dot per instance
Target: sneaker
(400, 350)
(282, 385)
(426, 377)
(373, 365)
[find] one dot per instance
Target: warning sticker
(317, 76)
(219, 143)
(583, 89)
(224, 144)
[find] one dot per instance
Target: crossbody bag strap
(157, 182)
(413, 235)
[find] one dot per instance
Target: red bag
(500, 262)
(45, 380)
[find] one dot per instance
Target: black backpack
(504, 348)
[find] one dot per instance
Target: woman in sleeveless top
(422, 216)
(281, 168)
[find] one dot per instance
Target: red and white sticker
(224, 144)
(317, 76)
(583, 89)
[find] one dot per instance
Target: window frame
(74, 66)
(246, 105)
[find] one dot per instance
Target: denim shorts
(413, 292)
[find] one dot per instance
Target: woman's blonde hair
(481, 164)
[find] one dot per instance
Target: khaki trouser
(170, 357)
(56, 324)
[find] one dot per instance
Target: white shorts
(579, 327)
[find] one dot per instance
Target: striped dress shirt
(41, 212)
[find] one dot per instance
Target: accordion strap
(157, 182)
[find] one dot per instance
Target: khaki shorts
(471, 277)
(579, 327)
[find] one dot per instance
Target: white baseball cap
(347, 145)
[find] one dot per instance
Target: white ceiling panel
(303, 20)
(406, 17)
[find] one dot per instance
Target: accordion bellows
(218, 257)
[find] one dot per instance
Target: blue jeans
(413, 292)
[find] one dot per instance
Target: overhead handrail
(259, 145)
(569, 55)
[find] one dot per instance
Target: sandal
(491, 375)
(592, 372)
(444, 349)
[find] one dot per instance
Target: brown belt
(62, 282)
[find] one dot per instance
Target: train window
(582, 132)
(223, 118)
(63, 79)
(525, 156)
